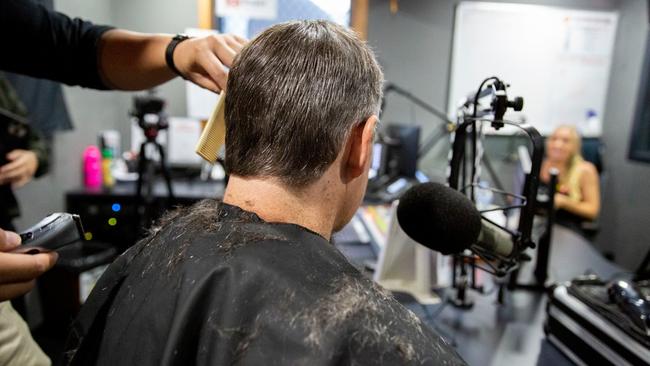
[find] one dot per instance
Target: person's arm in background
(18, 271)
(589, 207)
(24, 165)
(20, 169)
(51, 45)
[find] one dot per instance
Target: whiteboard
(557, 59)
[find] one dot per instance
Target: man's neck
(313, 207)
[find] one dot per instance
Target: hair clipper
(53, 232)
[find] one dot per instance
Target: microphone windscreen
(438, 217)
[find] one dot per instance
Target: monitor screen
(402, 156)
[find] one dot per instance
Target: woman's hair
(572, 178)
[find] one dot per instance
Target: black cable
(474, 133)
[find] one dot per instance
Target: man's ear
(361, 141)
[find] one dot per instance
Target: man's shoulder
(240, 243)
(189, 248)
(265, 286)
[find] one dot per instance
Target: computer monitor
(402, 150)
(393, 168)
(377, 163)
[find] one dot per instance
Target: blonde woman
(578, 190)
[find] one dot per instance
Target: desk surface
(572, 255)
(512, 333)
(183, 189)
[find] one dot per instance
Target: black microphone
(438, 217)
(445, 220)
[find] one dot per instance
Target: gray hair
(295, 93)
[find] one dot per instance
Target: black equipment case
(594, 334)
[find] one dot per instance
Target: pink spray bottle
(92, 160)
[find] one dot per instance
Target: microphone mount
(500, 265)
(500, 103)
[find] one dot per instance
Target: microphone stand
(500, 265)
(544, 248)
(465, 281)
(530, 185)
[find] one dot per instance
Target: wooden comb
(214, 134)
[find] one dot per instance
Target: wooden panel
(359, 18)
(206, 13)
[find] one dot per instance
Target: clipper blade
(214, 134)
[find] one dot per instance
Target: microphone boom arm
(390, 87)
(433, 139)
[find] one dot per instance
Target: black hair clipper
(53, 232)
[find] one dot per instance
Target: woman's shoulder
(587, 167)
(587, 171)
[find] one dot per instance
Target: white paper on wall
(255, 9)
(200, 102)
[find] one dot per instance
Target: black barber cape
(216, 285)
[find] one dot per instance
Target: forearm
(133, 61)
(50, 45)
(588, 210)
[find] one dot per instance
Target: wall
(161, 16)
(414, 48)
(626, 207)
(93, 111)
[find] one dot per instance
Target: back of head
(294, 94)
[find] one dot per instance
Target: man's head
(300, 97)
